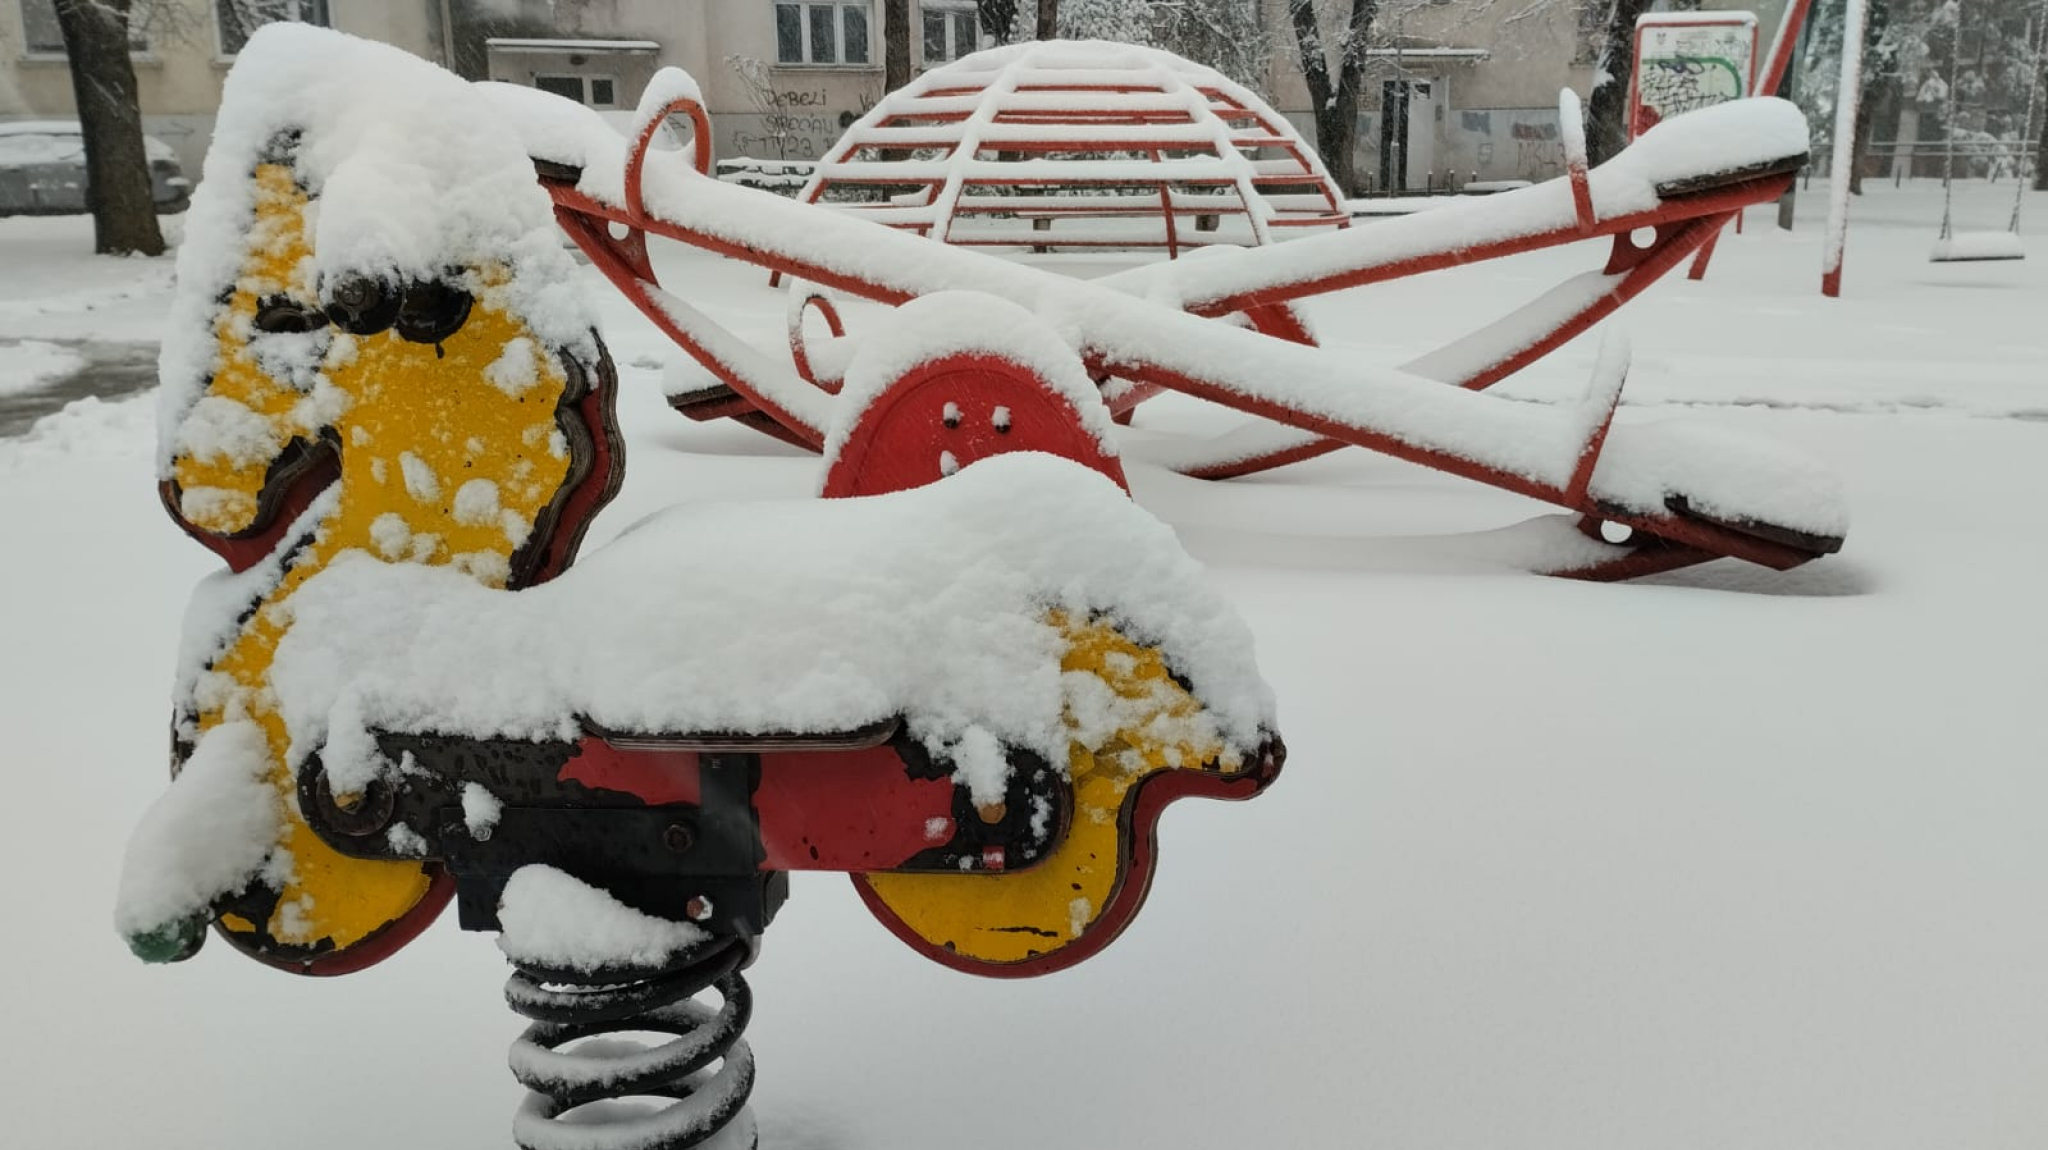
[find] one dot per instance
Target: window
(950, 32)
(568, 87)
(42, 36)
(592, 91)
(237, 19)
(822, 32)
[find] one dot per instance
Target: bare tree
(1227, 35)
(1048, 20)
(110, 118)
(1334, 102)
(1881, 87)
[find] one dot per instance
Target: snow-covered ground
(1720, 859)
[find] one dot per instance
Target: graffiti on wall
(788, 122)
(1539, 150)
(1502, 144)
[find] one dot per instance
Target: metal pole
(1847, 97)
(1788, 88)
(447, 37)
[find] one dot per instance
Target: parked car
(42, 170)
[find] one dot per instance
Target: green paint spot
(173, 942)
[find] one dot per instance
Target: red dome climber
(1082, 144)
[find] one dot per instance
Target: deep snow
(1724, 858)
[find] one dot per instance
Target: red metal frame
(799, 350)
(917, 432)
(1638, 267)
(854, 809)
(894, 129)
(1681, 224)
(1635, 77)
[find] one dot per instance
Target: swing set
(1978, 247)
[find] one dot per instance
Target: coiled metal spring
(567, 1006)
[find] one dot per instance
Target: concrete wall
(782, 111)
(677, 25)
(628, 71)
(1503, 143)
(758, 107)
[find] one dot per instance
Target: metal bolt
(678, 838)
(698, 909)
(358, 815)
(352, 293)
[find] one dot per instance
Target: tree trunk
(895, 44)
(2041, 153)
(1607, 111)
(2041, 156)
(110, 118)
(1048, 20)
(1881, 90)
(1866, 123)
(1334, 105)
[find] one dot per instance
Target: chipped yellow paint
(415, 423)
(1013, 916)
(219, 491)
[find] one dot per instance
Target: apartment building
(1455, 89)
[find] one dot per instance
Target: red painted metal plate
(954, 411)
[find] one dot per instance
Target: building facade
(781, 78)
(1455, 90)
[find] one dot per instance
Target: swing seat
(1975, 247)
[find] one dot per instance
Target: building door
(1407, 134)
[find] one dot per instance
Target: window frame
(145, 51)
(804, 48)
(950, 12)
(298, 9)
(584, 80)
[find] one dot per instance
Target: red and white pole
(1847, 97)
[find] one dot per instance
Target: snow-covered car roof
(156, 149)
